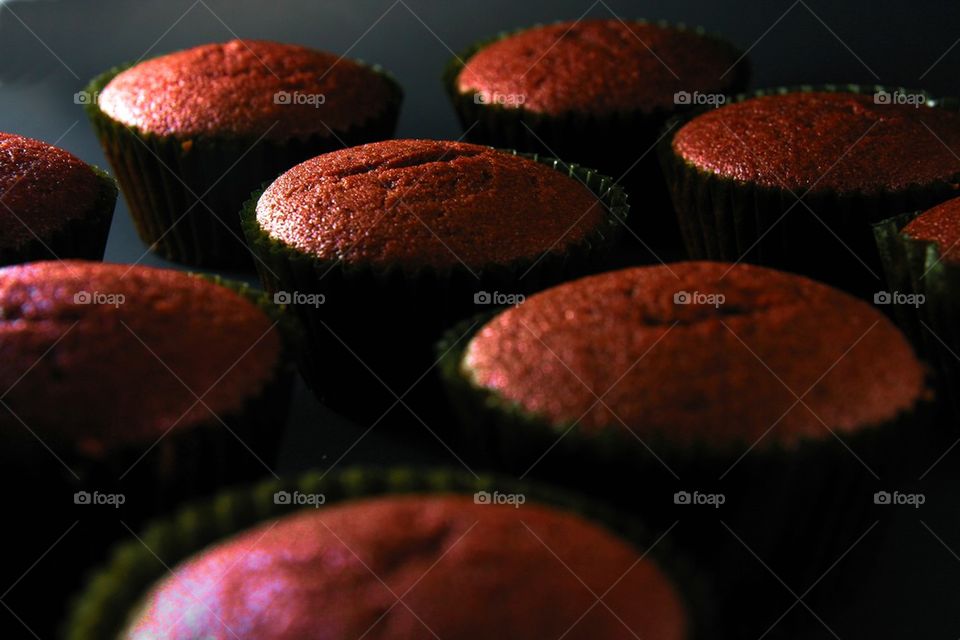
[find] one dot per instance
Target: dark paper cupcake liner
(729, 220)
(798, 509)
(115, 592)
(611, 143)
(83, 238)
(915, 267)
(184, 195)
(371, 339)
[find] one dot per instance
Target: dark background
(910, 586)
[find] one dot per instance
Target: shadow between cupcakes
(732, 220)
(377, 342)
(116, 591)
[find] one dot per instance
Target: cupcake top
(413, 567)
(99, 356)
(425, 203)
(41, 189)
(246, 88)
(598, 67)
(828, 142)
(699, 352)
(940, 225)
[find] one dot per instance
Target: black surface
(48, 51)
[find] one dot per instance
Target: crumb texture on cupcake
(597, 67)
(246, 88)
(940, 225)
(42, 187)
(106, 355)
(826, 142)
(699, 352)
(414, 567)
(424, 203)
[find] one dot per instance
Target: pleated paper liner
(184, 195)
(116, 590)
(798, 509)
(730, 220)
(931, 315)
(611, 143)
(82, 238)
(370, 332)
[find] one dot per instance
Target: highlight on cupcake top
(699, 352)
(825, 141)
(599, 67)
(941, 226)
(423, 203)
(246, 88)
(127, 350)
(462, 570)
(42, 187)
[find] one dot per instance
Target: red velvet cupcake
(191, 133)
(795, 179)
(52, 204)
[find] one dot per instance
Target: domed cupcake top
(425, 203)
(940, 225)
(42, 187)
(415, 566)
(835, 142)
(699, 352)
(597, 67)
(126, 351)
(246, 88)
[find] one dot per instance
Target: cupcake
(921, 256)
(379, 248)
(794, 179)
(391, 566)
(596, 92)
(54, 205)
(708, 393)
(153, 383)
(191, 133)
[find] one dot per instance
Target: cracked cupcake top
(42, 187)
(126, 350)
(699, 352)
(940, 225)
(463, 570)
(598, 67)
(246, 88)
(833, 142)
(424, 203)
